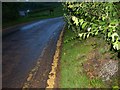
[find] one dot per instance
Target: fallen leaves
(52, 74)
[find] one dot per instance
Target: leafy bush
(90, 19)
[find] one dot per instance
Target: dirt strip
(38, 76)
(53, 72)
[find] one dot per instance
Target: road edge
(53, 73)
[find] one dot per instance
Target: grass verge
(75, 54)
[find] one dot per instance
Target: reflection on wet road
(22, 49)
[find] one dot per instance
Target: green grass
(35, 16)
(74, 54)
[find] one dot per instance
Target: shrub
(91, 19)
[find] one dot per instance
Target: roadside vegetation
(91, 46)
(81, 63)
(38, 11)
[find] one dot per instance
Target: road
(29, 51)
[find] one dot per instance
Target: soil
(101, 67)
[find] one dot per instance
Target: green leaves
(109, 34)
(88, 35)
(90, 19)
(84, 35)
(114, 22)
(114, 36)
(84, 24)
(103, 18)
(115, 88)
(96, 33)
(80, 35)
(81, 21)
(116, 45)
(75, 19)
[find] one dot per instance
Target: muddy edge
(57, 80)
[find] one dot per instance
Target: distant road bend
(24, 48)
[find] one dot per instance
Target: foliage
(39, 11)
(115, 88)
(9, 11)
(90, 19)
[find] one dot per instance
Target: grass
(74, 54)
(35, 16)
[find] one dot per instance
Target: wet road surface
(21, 50)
